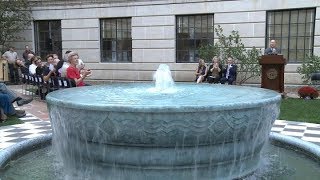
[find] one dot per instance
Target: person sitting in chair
(7, 97)
(7, 109)
(73, 72)
(49, 69)
(201, 71)
(229, 72)
(214, 71)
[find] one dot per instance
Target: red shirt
(73, 73)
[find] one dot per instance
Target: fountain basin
(276, 163)
(207, 131)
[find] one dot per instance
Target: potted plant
(308, 92)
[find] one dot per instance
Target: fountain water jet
(163, 80)
(122, 131)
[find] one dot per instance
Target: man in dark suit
(272, 50)
(229, 72)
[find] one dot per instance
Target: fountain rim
(22, 148)
(51, 100)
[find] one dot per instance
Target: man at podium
(272, 50)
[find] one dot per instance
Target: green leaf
(232, 46)
(14, 17)
(309, 66)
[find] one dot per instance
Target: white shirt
(63, 69)
(32, 69)
(51, 66)
(10, 56)
(228, 70)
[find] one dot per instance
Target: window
(48, 37)
(192, 31)
(294, 32)
(116, 41)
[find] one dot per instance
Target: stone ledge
(23, 148)
(307, 148)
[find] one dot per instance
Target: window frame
(194, 40)
(290, 36)
(115, 40)
(37, 45)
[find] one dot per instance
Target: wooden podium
(273, 72)
(3, 70)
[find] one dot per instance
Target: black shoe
(21, 102)
(20, 113)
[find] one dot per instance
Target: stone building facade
(147, 33)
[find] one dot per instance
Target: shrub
(309, 66)
(247, 59)
(15, 16)
(307, 91)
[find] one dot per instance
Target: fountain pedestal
(123, 132)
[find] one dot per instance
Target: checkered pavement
(33, 127)
(305, 131)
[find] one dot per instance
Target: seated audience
(80, 64)
(73, 72)
(23, 68)
(40, 67)
(27, 62)
(229, 72)
(7, 109)
(50, 68)
(48, 71)
(12, 96)
(201, 71)
(215, 71)
(81, 67)
(7, 97)
(55, 56)
(56, 61)
(63, 65)
(33, 65)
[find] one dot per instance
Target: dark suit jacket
(232, 71)
(268, 51)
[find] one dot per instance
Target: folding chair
(32, 82)
(24, 79)
(40, 84)
(53, 84)
(64, 82)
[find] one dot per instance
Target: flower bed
(308, 92)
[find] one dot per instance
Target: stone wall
(153, 31)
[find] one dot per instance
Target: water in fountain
(124, 131)
(163, 80)
(276, 163)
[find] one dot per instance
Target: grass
(300, 110)
(11, 121)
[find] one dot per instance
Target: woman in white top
(33, 66)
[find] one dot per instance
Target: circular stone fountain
(130, 131)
